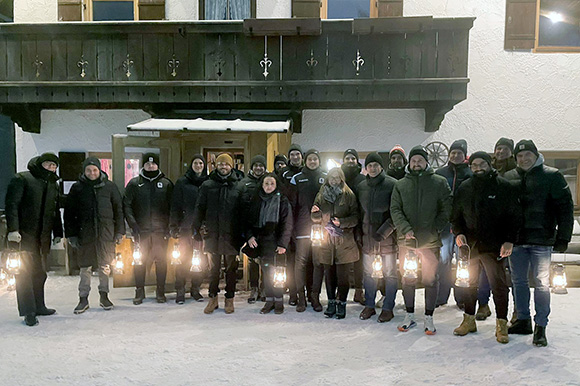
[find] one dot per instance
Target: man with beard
(93, 221)
(397, 162)
(503, 160)
(280, 163)
(485, 220)
(33, 218)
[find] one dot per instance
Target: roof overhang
(209, 125)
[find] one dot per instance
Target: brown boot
(212, 305)
(359, 297)
(468, 325)
(301, 306)
(501, 331)
(229, 307)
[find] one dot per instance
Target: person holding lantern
(93, 222)
(33, 219)
(485, 219)
(420, 209)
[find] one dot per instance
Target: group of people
(506, 211)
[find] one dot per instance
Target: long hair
(346, 191)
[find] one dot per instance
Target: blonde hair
(344, 187)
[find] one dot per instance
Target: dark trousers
(183, 271)
(268, 279)
(30, 284)
(336, 278)
(358, 271)
(429, 258)
(254, 273)
(290, 267)
(303, 259)
(154, 250)
(215, 264)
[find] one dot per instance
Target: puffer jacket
(183, 202)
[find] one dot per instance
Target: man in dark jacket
(485, 220)
(33, 219)
(306, 186)
(379, 237)
(548, 220)
(420, 209)
(93, 222)
(503, 160)
(147, 206)
(183, 203)
(397, 162)
(280, 163)
(217, 218)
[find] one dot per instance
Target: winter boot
(139, 296)
(229, 306)
(521, 327)
(105, 302)
(45, 311)
(468, 325)
(82, 306)
(385, 316)
(330, 309)
(253, 295)
(340, 309)
(359, 296)
(514, 318)
(279, 306)
(268, 306)
(315, 302)
(31, 320)
(196, 295)
(180, 298)
(212, 305)
(293, 300)
(540, 339)
(160, 295)
(429, 326)
(301, 306)
(366, 313)
(501, 331)
(482, 312)
(408, 323)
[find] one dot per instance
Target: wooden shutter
(151, 9)
(70, 10)
(306, 8)
(389, 8)
(520, 24)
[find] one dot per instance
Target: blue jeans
(537, 258)
(390, 280)
(444, 268)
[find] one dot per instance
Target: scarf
(331, 193)
(269, 208)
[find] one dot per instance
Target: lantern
(13, 262)
(137, 258)
(377, 267)
(462, 274)
(11, 283)
(176, 255)
(196, 261)
(411, 265)
(119, 266)
(559, 281)
(3, 276)
(279, 277)
(317, 235)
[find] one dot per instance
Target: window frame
(574, 155)
(201, 9)
(88, 10)
(548, 49)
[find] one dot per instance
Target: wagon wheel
(438, 153)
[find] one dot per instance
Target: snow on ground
(169, 344)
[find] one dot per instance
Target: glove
(74, 242)
(56, 240)
(560, 246)
(14, 237)
(118, 238)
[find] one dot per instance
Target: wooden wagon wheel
(438, 153)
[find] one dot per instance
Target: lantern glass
(175, 255)
(3, 275)
(317, 235)
(462, 274)
(137, 257)
(559, 281)
(13, 262)
(196, 261)
(411, 265)
(377, 267)
(119, 266)
(279, 277)
(11, 283)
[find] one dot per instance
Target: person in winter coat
(183, 203)
(485, 219)
(306, 185)
(268, 230)
(503, 159)
(397, 162)
(93, 222)
(548, 220)
(336, 208)
(280, 163)
(420, 209)
(218, 218)
(33, 219)
(147, 204)
(379, 236)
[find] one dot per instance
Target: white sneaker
(429, 326)
(408, 322)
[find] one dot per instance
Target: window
(110, 10)
(227, 9)
(346, 9)
(6, 11)
(569, 165)
(132, 167)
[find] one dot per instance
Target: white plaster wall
(35, 11)
(181, 9)
(274, 8)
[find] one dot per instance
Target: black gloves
(560, 246)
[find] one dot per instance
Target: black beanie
(350, 151)
(48, 157)
(374, 157)
(460, 144)
(480, 154)
(506, 142)
(294, 147)
(259, 159)
(419, 150)
(312, 151)
(281, 158)
(150, 157)
(526, 144)
(92, 161)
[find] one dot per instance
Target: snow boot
(301, 306)
(279, 306)
(408, 323)
(293, 300)
(253, 295)
(268, 306)
(385, 316)
(180, 298)
(139, 295)
(467, 325)
(521, 327)
(212, 305)
(429, 326)
(482, 312)
(229, 306)
(359, 296)
(315, 302)
(501, 331)
(160, 295)
(105, 302)
(196, 295)
(540, 339)
(45, 311)
(340, 309)
(366, 313)
(330, 309)
(31, 320)
(82, 306)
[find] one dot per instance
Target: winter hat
(281, 158)
(225, 158)
(94, 161)
(419, 150)
(526, 144)
(350, 151)
(480, 154)
(312, 151)
(197, 156)
(48, 157)
(460, 144)
(294, 147)
(374, 157)
(150, 157)
(506, 142)
(398, 149)
(259, 159)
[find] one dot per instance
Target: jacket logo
(304, 180)
(492, 197)
(321, 180)
(140, 185)
(160, 185)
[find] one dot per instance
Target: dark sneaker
(196, 295)
(367, 312)
(105, 302)
(359, 296)
(301, 305)
(330, 309)
(45, 311)
(180, 298)
(160, 295)
(278, 307)
(340, 310)
(31, 320)
(293, 300)
(82, 306)
(385, 316)
(540, 339)
(315, 302)
(521, 327)
(269, 306)
(139, 296)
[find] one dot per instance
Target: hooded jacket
(183, 202)
(455, 174)
(304, 188)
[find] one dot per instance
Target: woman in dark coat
(336, 208)
(268, 231)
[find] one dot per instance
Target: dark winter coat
(219, 209)
(374, 197)
(337, 249)
(304, 187)
(397, 174)
(487, 211)
(353, 176)
(504, 166)
(147, 204)
(94, 214)
(183, 202)
(287, 173)
(32, 207)
(421, 203)
(546, 204)
(455, 174)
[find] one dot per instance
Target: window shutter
(70, 10)
(306, 8)
(389, 8)
(151, 9)
(520, 24)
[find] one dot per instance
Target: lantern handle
(416, 242)
(468, 251)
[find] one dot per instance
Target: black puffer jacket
(305, 187)
(287, 173)
(374, 197)
(219, 210)
(352, 175)
(147, 203)
(487, 211)
(32, 207)
(94, 214)
(546, 204)
(185, 195)
(455, 174)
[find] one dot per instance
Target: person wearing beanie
(280, 162)
(33, 221)
(93, 223)
(397, 162)
(485, 221)
(147, 205)
(183, 201)
(218, 217)
(548, 221)
(304, 188)
(379, 237)
(420, 209)
(503, 160)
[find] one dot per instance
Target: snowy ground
(168, 344)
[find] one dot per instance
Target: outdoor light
(13, 261)
(559, 281)
(196, 261)
(3, 275)
(462, 274)
(176, 255)
(119, 267)
(411, 263)
(279, 277)
(555, 17)
(330, 164)
(377, 267)
(317, 235)
(11, 283)
(137, 258)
